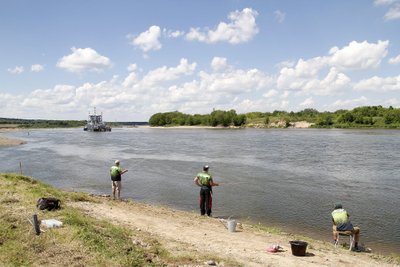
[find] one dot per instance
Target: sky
(132, 59)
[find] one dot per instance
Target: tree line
(360, 117)
(32, 123)
(216, 118)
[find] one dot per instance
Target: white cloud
(394, 60)
(270, 93)
(149, 40)
(234, 81)
(393, 102)
(132, 77)
(309, 102)
(16, 70)
(279, 16)
(304, 77)
(393, 13)
(218, 63)
(285, 94)
(379, 84)
(11, 106)
(173, 34)
(132, 67)
(59, 95)
(359, 55)
(164, 74)
(325, 75)
(384, 2)
(349, 103)
(37, 68)
(84, 59)
(242, 28)
(280, 105)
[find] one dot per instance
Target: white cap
(117, 162)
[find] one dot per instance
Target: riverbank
(278, 124)
(7, 141)
(143, 235)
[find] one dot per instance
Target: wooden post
(20, 167)
(36, 224)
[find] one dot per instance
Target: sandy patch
(6, 141)
(301, 124)
(187, 233)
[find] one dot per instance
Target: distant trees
(26, 123)
(216, 118)
(360, 117)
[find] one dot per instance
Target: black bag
(49, 203)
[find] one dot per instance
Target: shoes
(356, 249)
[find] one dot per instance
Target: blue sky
(131, 59)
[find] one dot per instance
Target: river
(287, 178)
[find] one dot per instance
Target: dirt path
(185, 233)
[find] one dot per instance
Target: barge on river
(95, 123)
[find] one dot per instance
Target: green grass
(271, 230)
(82, 241)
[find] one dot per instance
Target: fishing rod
(233, 183)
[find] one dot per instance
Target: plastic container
(231, 225)
(51, 223)
(298, 247)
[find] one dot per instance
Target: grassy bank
(82, 241)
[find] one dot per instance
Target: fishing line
(232, 183)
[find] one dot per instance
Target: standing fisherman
(116, 173)
(205, 181)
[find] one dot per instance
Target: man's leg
(202, 201)
(334, 233)
(119, 189)
(356, 233)
(208, 202)
(113, 186)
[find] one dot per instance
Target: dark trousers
(205, 201)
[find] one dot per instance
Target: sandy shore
(186, 233)
(6, 141)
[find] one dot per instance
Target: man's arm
(196, 181)
(124, 171)
(214, 184)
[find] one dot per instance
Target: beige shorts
(116, 185)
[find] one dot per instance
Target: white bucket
(231, 225)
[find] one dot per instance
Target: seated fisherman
(341, 222)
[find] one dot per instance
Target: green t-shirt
(115, 172)
(204, 178)
(340, 216)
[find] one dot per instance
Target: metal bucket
(231, 225)
(298, 247)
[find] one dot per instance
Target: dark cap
(205, 167)
(338, 206)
